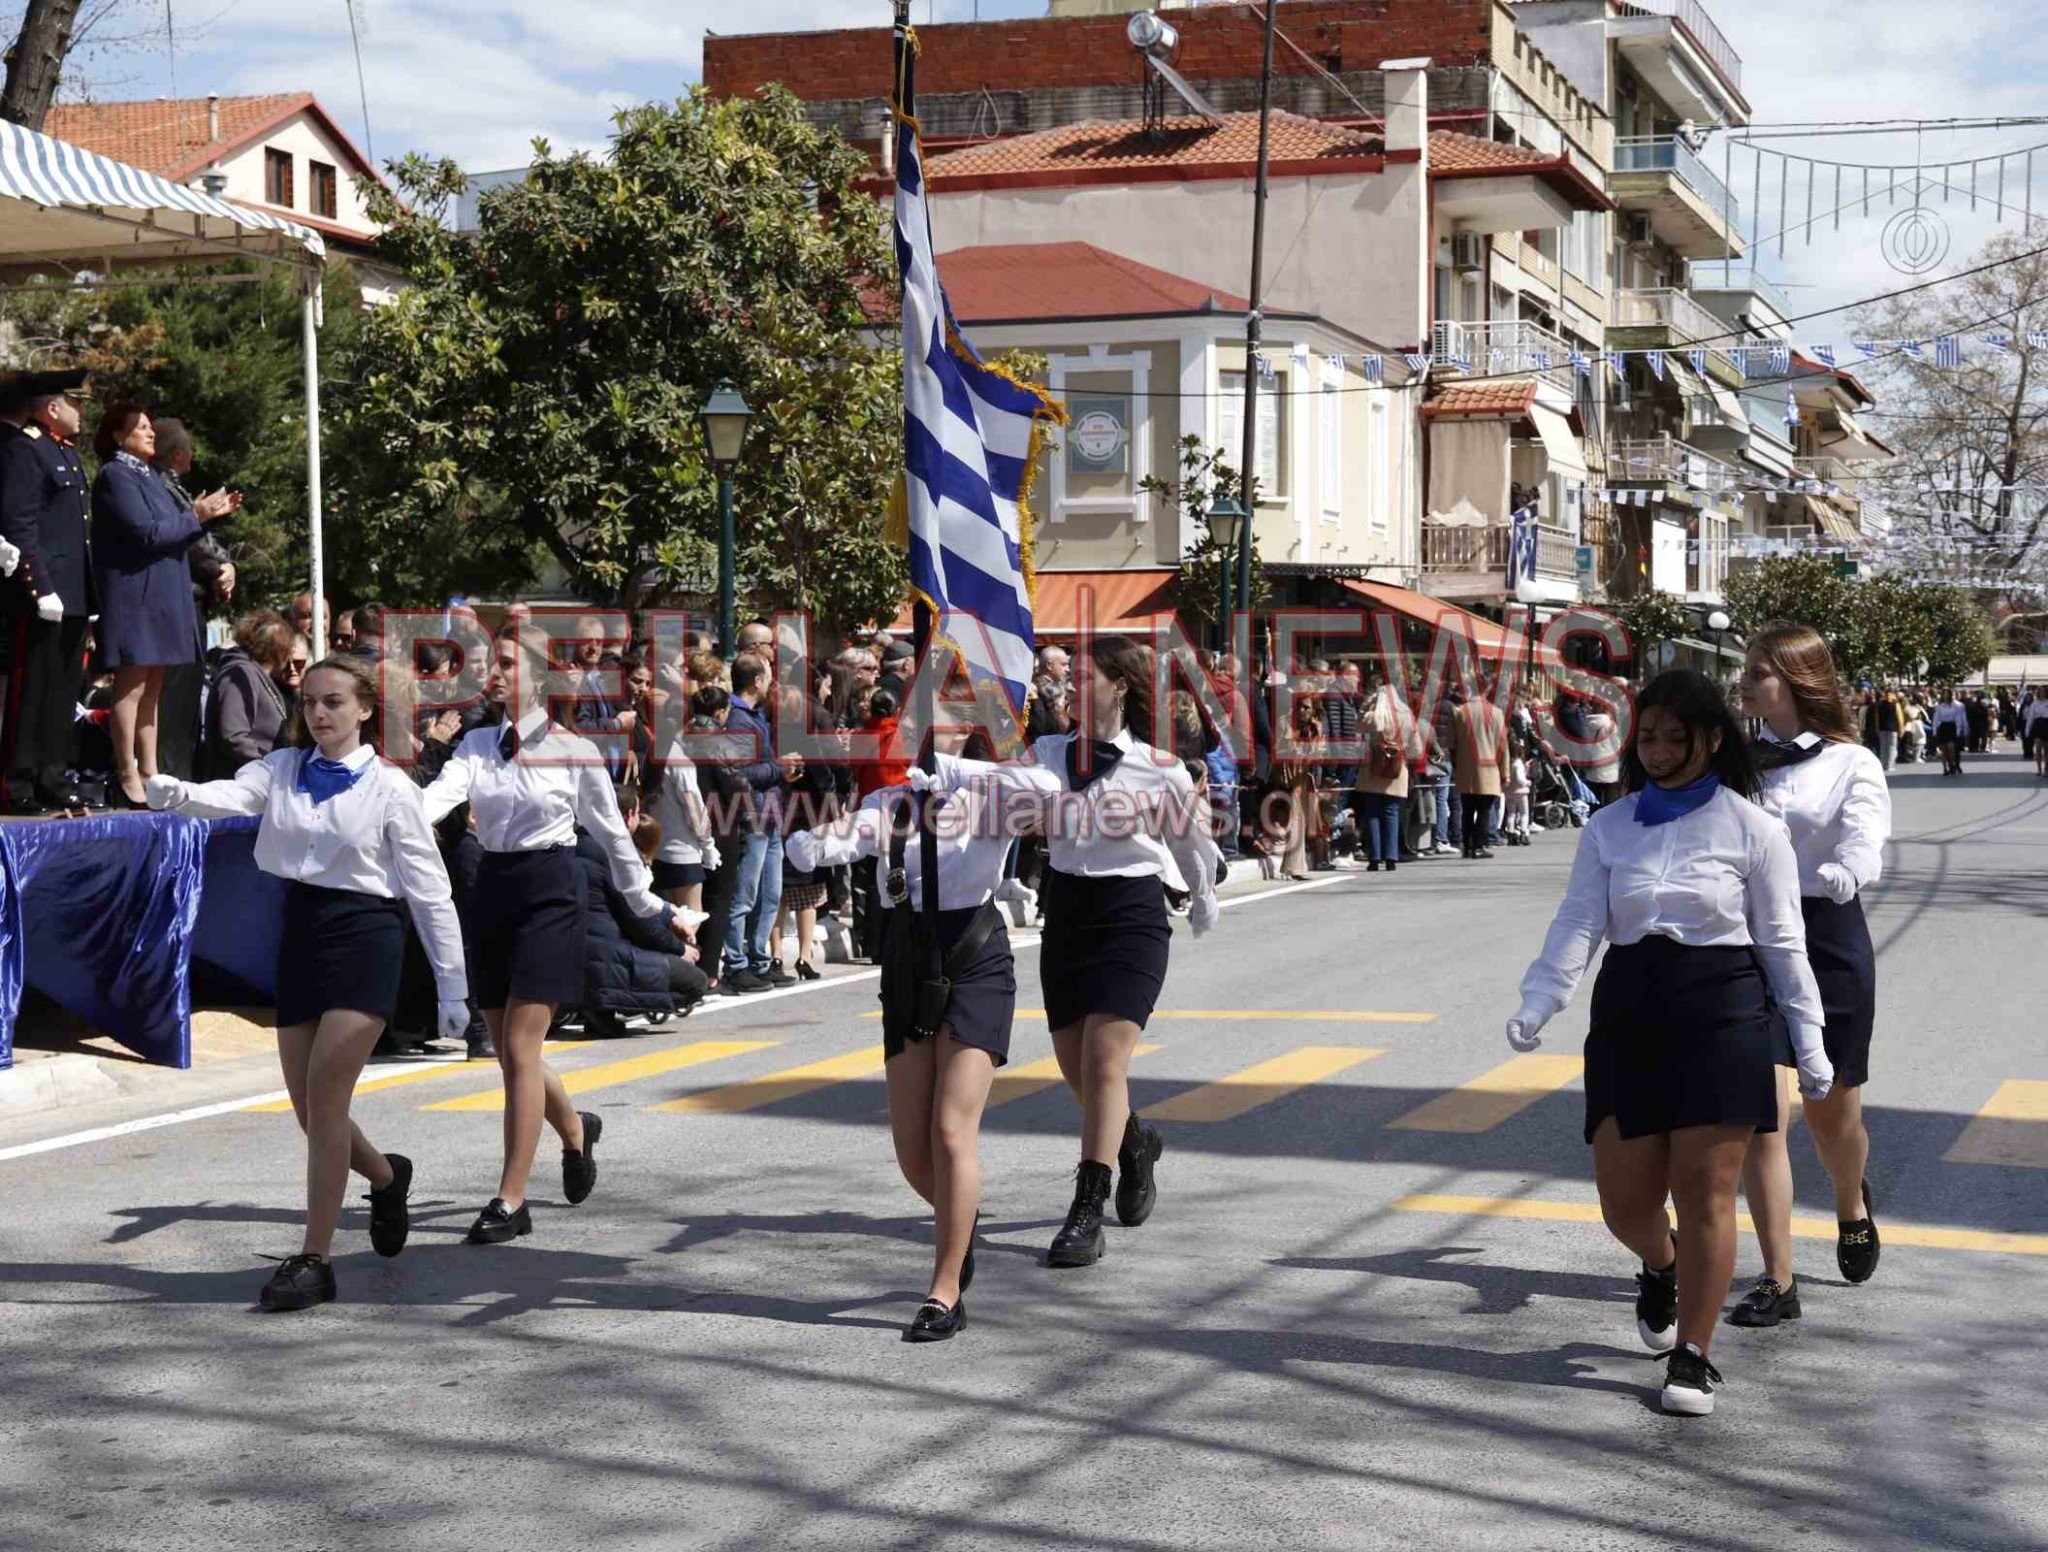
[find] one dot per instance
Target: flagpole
(1252, 328)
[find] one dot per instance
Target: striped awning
(157, 218)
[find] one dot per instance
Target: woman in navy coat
(140, 533)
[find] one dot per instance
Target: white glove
(10, 557)
(50, 607)
(680, 924)
(453, 1022)
(164, 792)
(1838, 882)
(918, 779)
(1202, 913)
(1525, 1029)
(1816, 1074)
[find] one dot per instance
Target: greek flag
(1697, 359)
(1780, 360)
(971, 439)
(1374, 368)
(1655, 360)
(1824, 354)
(1948, 351)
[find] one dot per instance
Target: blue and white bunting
(1948, 352)
(1581, 363)
(1374, 368)
(1869, 348)
(2036, 338)
(1654, 359)
(1779, 360)
(1417, 360)
(1824, 354)
(1697, 360)
(2002, 343)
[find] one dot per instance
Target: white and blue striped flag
(971, 439)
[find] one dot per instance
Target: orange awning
(1118, 601)
(1435, 613)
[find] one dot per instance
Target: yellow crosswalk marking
(1926, 1236)
(1263, 1015)
(582, 1080)
(1036, 1077)
(2012, 1128)
(1228, 1098)
(415, 1074)
(777, 1086)
(1490, 1098)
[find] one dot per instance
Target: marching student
(940, 1061)
(1696, 889)
(1950, 730)
(1832, 795)
(350, 834)
(2034, 732)
(529, 783)
(1122, 822)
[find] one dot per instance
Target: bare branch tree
(35, 63)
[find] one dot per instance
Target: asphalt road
(1348, 1325)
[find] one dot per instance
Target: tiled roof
(1040, 281)
(169, 137)
(1123, 151)
(1450, 151)
(1498, 400)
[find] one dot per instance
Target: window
(1098, 447)
(1330, 449)
(1102, 456)
(1271, 477)
(277, 178)
(1585, 248)
(321, 187)
(1376, 461)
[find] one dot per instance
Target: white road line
(227, 1106)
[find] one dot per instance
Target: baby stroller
(1557, 798)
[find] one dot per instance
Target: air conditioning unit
(1635, 228)
(1468, 253)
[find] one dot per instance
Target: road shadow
(1495, 1290)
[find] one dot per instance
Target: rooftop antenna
(1156, 41)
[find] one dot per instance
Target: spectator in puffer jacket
(630, 965)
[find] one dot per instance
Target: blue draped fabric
(106, 916)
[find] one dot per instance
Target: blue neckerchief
(322, 778)
(1657, 805)
(1103, 757)
(122, 455)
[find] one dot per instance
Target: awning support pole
(309, 292)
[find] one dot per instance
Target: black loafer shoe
(579, 1165)
(1765, 1305)
(497, 1223)
(390, 1220)
(1857, 1247)
(300, 1282)
(933, 1322)
(1136, 1189)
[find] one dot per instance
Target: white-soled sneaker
(1657, 1308)
(1689, 1382)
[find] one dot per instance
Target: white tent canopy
(64, 209)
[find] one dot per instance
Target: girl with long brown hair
(1832, 796)
(350, 834)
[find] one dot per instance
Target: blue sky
(478, 79)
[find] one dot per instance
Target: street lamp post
(1718, 622)
(724, 418)
(1226, 522)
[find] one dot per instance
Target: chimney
(1407, 104)
(1410, 281)
(212, 117)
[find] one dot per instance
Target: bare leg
(806, 934)
(1844, 1148)
(775, 936)
(145, 722)
(531, 1091)
(321, 1066)
(1066, 1050)
(295, 1053)
(1106, 1051)
(123, 712)
(1767, 1183)
(1633, 1178)
(1706, 1167)
(910, 1077)
(961, 1092)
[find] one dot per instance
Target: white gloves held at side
(164, 792)
(50, 608)
(1816, 1074)
(453, 1020)
(1839, 883)
(10, 557)
(1525, 1029)
(1202, 913)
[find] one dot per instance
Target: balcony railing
(1664, 460)
(1502, 345)
(1669, 154)
(1724, 275)
(1825, 467)
(1668, 309)
(1469, 548)
(1692, 16)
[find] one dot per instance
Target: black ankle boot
(1079, 1241)
(1136, 1190)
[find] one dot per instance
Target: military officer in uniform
(46, 607)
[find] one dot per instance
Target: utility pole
(1253, 323)
(36, 61)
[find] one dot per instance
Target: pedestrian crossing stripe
(581, 1080)
(752, 1094)
(1493, 1097)
(1036, 1077)
(2011, 1129)
(376, 1079)
(1924, 1236)
(1228, 1098)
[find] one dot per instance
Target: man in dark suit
(45, 510)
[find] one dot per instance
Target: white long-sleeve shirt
(2037, 711)
(1952, 714)
(535, 800)
(1139, 820)
(971, 850)
(1838, 807)
(373, 839)
(1721, 876)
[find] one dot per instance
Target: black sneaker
(775, 975)
(498, 1223)
(1689, 1382)
(579, 1165)
(1657, 1308)
(933, 1322)
(1079, 1241)
(390, 1221)
(1136, 1189)
(1766, 1304)
(300, 1282)
(745, 981)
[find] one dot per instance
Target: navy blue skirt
(1844, 964)
(1105, 947)
(525, 935)
(983, 1004)
(1681, 1037)
(339, 950)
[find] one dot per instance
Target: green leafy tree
(1206, 477)
(533, 395)
(1652, 618)
(1961, 636)
(1806, 588)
